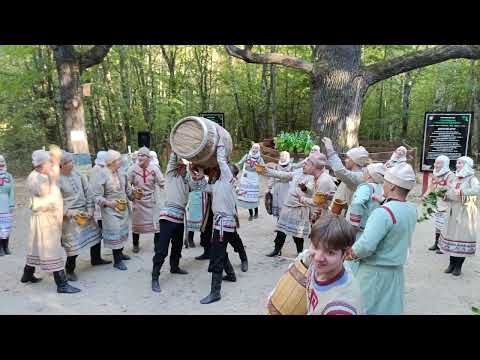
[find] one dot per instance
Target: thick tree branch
(385, 69)
(271, 58)
(93, 56)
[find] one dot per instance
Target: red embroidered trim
(390, 213)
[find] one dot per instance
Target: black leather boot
(205, 255)
(230, 271)
(175, 266)
(155, 276)
(215, 289)
(191, 243)
(256, 214)
(70, 268)
(279, 241)
(136, 242)
(118, 260)
(63, 287)
(95, 256)
(435, 245)
(124, 257)
(244, 265)
(451, 266)
(457, 270)
(298, 244)
(2, 251)
(5, 246)
(250, 211)
(28, 276)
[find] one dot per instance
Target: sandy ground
(106, 290)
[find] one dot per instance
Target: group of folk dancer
(355, 262)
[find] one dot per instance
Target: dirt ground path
(109, 291)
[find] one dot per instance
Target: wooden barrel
(290, 295)
(196, 138)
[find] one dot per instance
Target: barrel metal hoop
(272, 309)
(297, 275)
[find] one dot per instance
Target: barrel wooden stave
(195, 139)
(289, 296)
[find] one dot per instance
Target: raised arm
(242, 161)
(279, 174)
(172, 163)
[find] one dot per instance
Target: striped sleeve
(339, 308)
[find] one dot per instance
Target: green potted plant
(298, 144)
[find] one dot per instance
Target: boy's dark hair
(334, 232)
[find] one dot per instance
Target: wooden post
(425, 182)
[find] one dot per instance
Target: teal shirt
(386, 238)
(362, 204)
(7, 195)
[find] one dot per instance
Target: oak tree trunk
(338, 90)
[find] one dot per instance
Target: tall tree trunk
(239, 133)
(337, 94)
(70, 65)
(407, 87)
(475, 106)
(126, 98)
(273, 92)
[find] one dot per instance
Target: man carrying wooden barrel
(144, 177)
(351, 174)
(172, 217)
(224, 223)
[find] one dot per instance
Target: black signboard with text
(445, 133)
(218, 118)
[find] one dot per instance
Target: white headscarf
(144, 151)
(467, 167)
(359, 156)
(376, 172)
(446, 165)
(284, 158)
(257, 155)
(399, 155)
(39, 157)
(3, 162)
(315, 149)
(112, 155)
(100, 160)
(154, 156)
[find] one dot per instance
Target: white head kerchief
(445, 168)
(467, 167)
(359, 156)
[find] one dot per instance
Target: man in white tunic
(145, 176)
(46, 214)
(172, 217)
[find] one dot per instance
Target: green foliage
(296, 142)
(430, 204)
